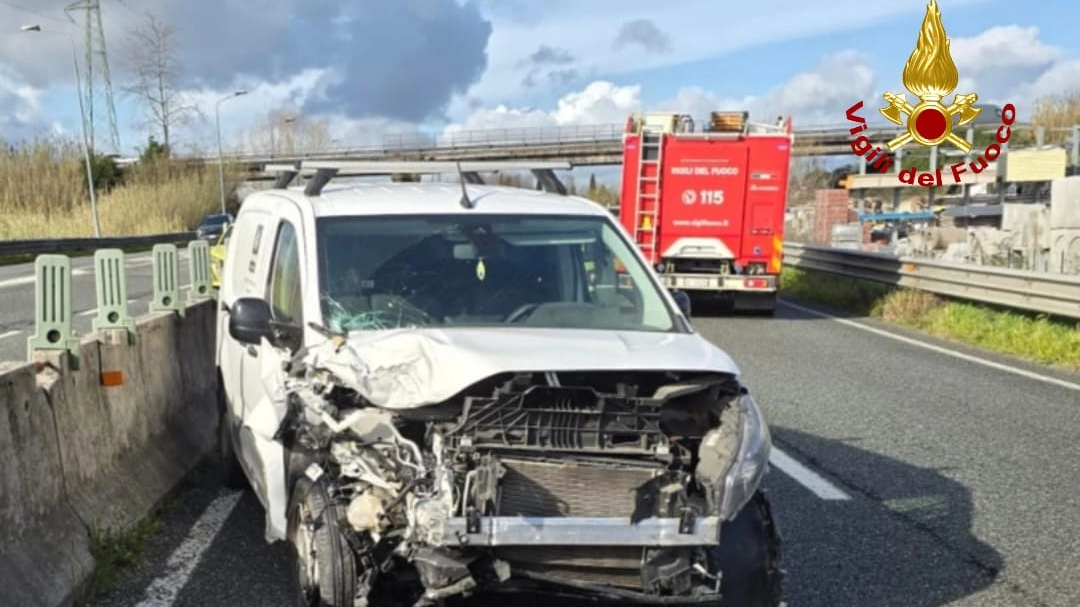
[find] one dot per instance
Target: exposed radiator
(563, 489)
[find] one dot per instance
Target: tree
(285, 131)
(153, 61)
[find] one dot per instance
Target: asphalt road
(913, 477)
(17, 297)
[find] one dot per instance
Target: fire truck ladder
(647, 209)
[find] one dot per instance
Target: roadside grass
(113, 551)
(1034, 337)
(43, 194)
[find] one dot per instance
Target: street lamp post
(221, 155)
(82, 120)
(273, 131)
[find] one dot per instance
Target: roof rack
(321, 172)
(285, 174)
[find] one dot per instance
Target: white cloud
(811, 97)
(1003, 64)
(398, 59)
(1063, 77)
(588, 31)
(1002, 47)
(600, 102)
(20, 106)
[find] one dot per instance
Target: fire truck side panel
(703, 190)
(628, 198)
(766, 200)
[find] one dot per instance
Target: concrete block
(126, 446)
(1065, 203)
(44, 549)
(1064, 256)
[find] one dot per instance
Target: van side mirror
(682, 300)
(249, 320)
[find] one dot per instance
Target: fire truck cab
(707, 207)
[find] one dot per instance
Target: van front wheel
(324, 570)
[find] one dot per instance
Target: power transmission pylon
(98, 83)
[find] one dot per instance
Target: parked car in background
(217, 256)
(213, 226)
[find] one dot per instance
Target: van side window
(284, 291)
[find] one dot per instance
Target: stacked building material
(1065, 225)
(831, 207)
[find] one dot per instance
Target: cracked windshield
(453, 270)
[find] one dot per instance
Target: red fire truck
(707, 207)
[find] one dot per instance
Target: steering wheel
(521, 312)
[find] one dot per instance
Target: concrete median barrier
(96, 431)
(44, 549)
(124, 446)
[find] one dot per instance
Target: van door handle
(252, 352)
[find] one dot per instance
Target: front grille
(566, 489)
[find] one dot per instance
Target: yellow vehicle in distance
(217, 256)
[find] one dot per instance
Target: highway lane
(962, 479)
(17, 297)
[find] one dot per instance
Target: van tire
(335, 583)
(749, 557)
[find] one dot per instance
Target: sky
(378, 69)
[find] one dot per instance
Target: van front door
(261, 370)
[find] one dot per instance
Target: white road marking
(805, 476)
(163, 591)
(9, 334)
(13, 282)
(1068, 385)
(87, 312)
(131, 262)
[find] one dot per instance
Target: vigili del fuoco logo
(930, 74)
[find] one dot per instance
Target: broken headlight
(751, 461)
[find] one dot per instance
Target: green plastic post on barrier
(166, 280)
(52, 308)
(199, 262)
(111, 285)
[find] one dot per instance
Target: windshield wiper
(324, 331)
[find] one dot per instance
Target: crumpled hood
(408, 368)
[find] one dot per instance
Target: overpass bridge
(584, 145)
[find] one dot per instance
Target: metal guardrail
(53, 245)
(1047, 293)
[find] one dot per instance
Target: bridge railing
(504, 137)
(610, 133)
